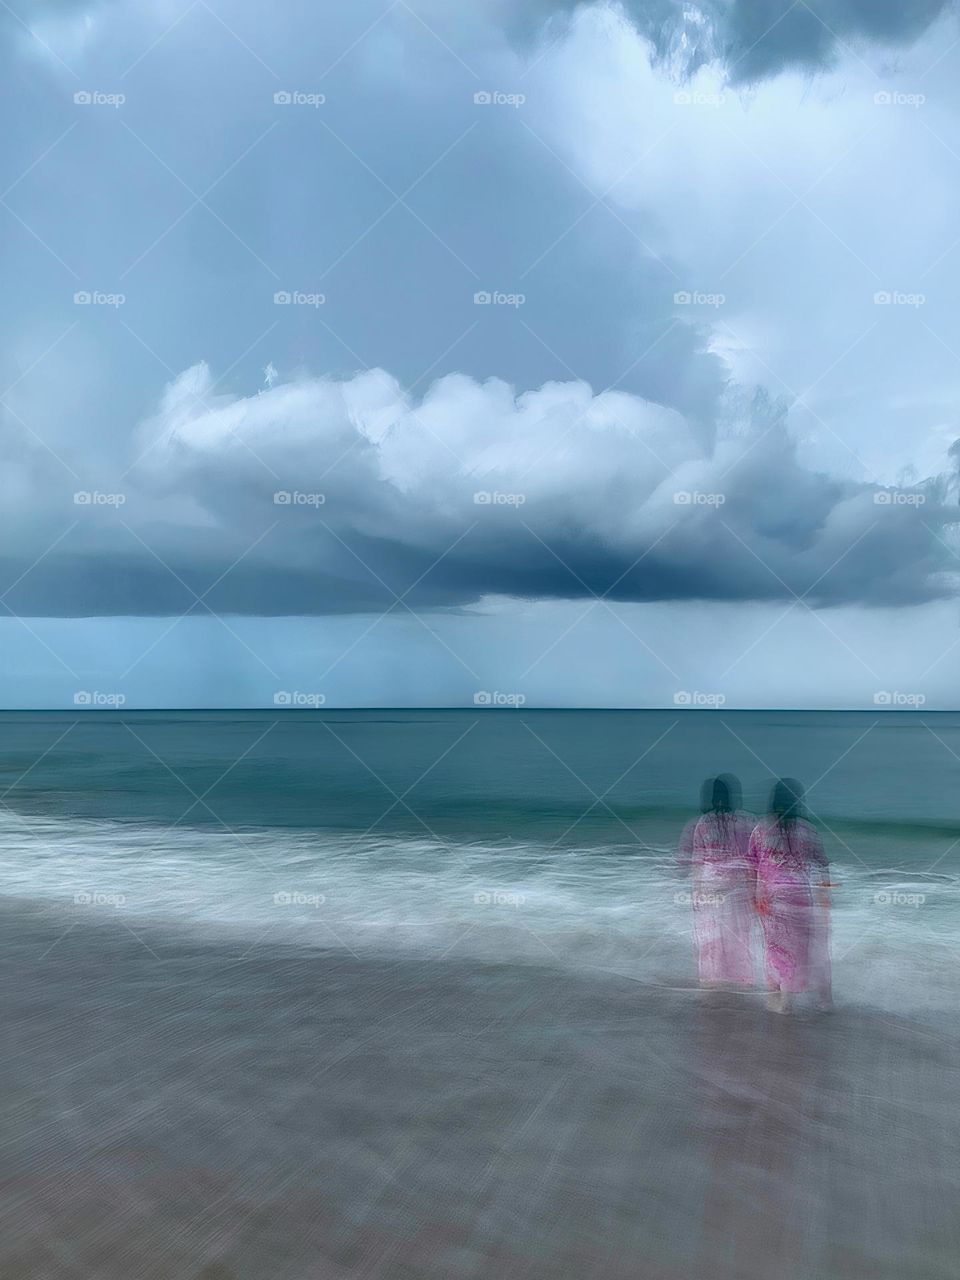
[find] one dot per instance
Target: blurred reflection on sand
(176, 1108)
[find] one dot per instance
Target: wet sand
(175, 1107)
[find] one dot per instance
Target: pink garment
(685, 845)
(791, 866)
(723, 890)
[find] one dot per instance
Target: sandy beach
(179, 1108)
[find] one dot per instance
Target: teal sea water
(513, 832)
(508, 772)
(411, 994)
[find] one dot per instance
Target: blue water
(545, 834)
(286, 982)
(511, 774)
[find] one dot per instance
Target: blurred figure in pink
(723, 888)
(792, 883)
(685, 843)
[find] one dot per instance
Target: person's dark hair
(727, 793)
(720, 796)
(706, 794)
(786, 806)
(786, 800)
(724, 798)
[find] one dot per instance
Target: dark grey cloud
(761, 37)
(307, 199)
(755, 39)
(321, 496)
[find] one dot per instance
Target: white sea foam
(896, 934)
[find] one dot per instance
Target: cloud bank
(321, 495)
(655, 492)
(757, 39)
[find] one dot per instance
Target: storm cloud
(326, 496)
(756, 39)
(492, 468)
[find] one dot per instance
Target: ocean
(328, 993)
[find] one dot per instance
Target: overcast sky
(409, 353)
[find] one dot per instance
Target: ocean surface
(412, 993)
(504, 832)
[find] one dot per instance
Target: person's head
(727, 793)
(719, 796)
(786, 800)
(706, 794)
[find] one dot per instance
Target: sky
(425, 354)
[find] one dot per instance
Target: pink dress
(723, 885)
(685, 845)
(791, 865)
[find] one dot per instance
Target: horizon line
(483, 709)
